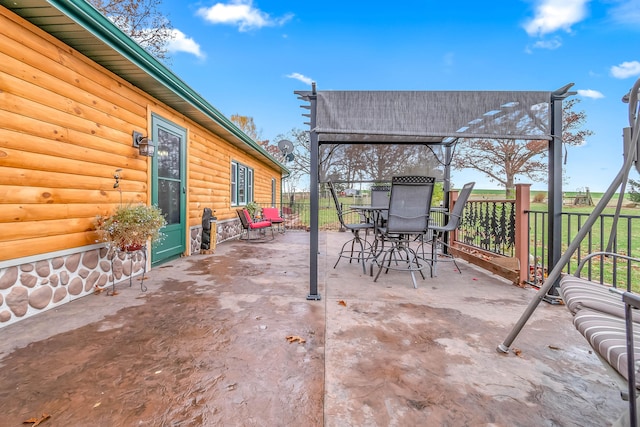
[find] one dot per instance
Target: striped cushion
(579, 293)
(607, 336)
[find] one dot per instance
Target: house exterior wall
(66, 125)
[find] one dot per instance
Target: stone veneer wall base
(33, 287)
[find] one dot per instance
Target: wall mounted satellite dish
(285, 146)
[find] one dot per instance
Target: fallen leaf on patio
(553, 347)
(36, 421)
(97, 404)
(114, 293)
(98, 290)
(517, 352)
(342, 303)
(294, 338)
(475, 278)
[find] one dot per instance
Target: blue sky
(247, 57)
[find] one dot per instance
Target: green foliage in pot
(252, 207)
(131, 226)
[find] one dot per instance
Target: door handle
(184, 190)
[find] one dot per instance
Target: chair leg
(437, 251)
(360, 253)
(399, 253)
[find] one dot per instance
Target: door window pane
(169, 200)
(168, 155)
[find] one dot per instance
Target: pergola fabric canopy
(430, 116)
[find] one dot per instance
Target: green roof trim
(91, 20)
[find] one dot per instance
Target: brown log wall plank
(65, 127)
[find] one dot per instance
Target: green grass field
(627, 240)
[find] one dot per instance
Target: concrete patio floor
(207, 345)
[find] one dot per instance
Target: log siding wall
(65, 126)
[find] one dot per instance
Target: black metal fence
(489, 226)
(625, 240)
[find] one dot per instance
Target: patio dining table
(370, 212)
(373, 214)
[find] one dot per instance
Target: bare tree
(380, 162)
(247, 125)
(142, 21)
(502, 160)
(300, 166)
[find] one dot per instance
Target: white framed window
(241, 184)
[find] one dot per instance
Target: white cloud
(181, 43)
(302, 78)
(626, 69)
(590, 93)
(242, 14)
(552, 44)
(626, 12)
(554, 15)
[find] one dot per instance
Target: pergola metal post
(446, 185)
(555, 186)
(314, 202)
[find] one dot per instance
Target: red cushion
(272, 214)
(260, 224)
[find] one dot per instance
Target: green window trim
(241, 184)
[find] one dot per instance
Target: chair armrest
(631, 299)
(613, 255)
(587, 258)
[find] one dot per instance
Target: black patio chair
(439, 245)
(360, 249)
(380, 195)
(408, 217)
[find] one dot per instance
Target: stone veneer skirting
(225, 230)
(33, 287)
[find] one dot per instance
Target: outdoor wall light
(144, 144)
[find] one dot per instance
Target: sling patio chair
(272, 214)
(360, 249)
(439, 245)
(408, 218)
(253, 231)
(380, 199)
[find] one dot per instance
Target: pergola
(434, 118)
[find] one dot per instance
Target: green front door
(168, 187)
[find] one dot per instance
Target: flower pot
(132, 248)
